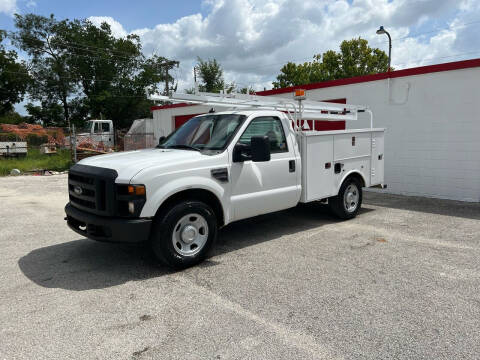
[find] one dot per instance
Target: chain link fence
(139, 141)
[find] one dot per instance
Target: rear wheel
(183, 235)
(349, 199)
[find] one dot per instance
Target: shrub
(36, 140)
(8, 137)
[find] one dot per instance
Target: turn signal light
(136, 189)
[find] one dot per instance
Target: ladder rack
(298, 109)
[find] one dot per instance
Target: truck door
(263, 187)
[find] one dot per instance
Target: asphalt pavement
(401, 281)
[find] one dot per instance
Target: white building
(432, 145)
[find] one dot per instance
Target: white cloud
(8, 7)
(117, 28)
(252, 39)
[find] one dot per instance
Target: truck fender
(351, 172)
(156, 199)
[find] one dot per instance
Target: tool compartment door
(317, 167)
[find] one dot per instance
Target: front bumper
(120, 230)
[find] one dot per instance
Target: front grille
(92, 189)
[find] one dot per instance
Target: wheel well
(357, 176)
(196, 194)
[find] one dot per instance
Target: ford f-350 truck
(217, 168)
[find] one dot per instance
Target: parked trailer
(218, 168)
(13, 148)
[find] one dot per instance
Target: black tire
(163, 232)
(338, 205)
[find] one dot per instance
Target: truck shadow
(256, 230)
(84, 264)
(462, 209)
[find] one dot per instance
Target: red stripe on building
(457, 65)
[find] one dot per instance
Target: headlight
(131, 207)
(130, 199)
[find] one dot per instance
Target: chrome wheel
(190, 234)
(351, 198)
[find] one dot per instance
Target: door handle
(291, 166)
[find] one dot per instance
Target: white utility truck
(222, 167)
(96, 131)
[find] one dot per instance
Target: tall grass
(36, 160)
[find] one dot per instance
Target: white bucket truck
(222, 167)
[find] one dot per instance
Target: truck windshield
(206, 132)
(86, 128)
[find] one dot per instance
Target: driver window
(269, 126)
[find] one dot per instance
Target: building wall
(164, 119)
(432, 145)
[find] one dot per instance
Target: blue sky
(132, 14)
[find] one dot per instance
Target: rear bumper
(119, 230)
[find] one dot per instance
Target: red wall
(182, 119)
(329, 125)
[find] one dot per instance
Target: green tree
(48, 114)
(12, 117)
(44, 40)
(355, 58)
(14, 79)
(211, 74)
(245, 90)
(87, 70)
(113, 74)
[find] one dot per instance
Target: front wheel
(183, 235)
(348, 201)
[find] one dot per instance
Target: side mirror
(241, 153)
(260, 148)
(161, 140)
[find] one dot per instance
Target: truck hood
(129, 163)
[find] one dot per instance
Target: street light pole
(381, 31)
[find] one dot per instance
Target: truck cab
(215, 169)
(98, 131)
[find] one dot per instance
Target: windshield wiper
(183, 147)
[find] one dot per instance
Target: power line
(441, 57)
(101, 53)
(64, 77)
(438, 30)
(77, 45)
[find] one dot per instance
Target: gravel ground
(401, 281)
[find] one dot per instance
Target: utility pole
(195, 80)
